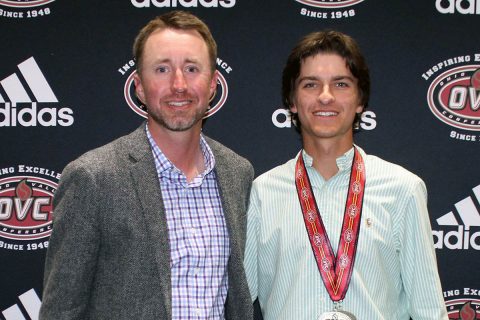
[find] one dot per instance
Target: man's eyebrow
(307, 78)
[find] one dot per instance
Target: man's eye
(161, 69)
(309, 85)
(191, 69)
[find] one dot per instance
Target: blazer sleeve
(74, 244)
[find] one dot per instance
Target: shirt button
(198, 312)
(196, 271)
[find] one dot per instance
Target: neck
(325, 154)
(182, 148)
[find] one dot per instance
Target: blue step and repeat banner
(66, 87)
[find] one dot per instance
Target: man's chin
(176, 126)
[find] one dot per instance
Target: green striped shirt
(395, 273)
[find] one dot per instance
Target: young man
(335, 233)
(151, 226)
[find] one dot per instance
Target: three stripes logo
(27, 309)
(26, 99)
(460, 227)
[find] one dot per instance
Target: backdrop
(66, 87)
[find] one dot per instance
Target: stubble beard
(180, 122)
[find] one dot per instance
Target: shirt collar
(344, 162)
(164, 164)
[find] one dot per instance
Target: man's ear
(139, 90)
(213, 84)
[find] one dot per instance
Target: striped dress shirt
(395, 273)
(198, 238)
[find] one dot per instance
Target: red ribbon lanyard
(336, 271)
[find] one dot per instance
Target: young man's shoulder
(388, 174)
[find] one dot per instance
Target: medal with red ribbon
(336, 271)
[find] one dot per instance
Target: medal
(337, 315)
(335, 270)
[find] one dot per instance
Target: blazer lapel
(148, 191)
(228, 186)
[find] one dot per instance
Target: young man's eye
(309, 85)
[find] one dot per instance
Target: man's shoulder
(385, 166)
(387, 174)
(108, 155)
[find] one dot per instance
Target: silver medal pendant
(337, 315)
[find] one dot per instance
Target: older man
(152, 225)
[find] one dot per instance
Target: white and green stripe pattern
(395, 274)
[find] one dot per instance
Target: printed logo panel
(329, 3)
(183, 3)
(26, 98)
(462, 304)
(30, 302)
(460, 228)
(24, 9)
(26, 205)
(458, 6)
(453, 95)
(327, 9)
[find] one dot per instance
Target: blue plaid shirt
(198, 237)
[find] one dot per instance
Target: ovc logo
(454, 97)
(26, 206)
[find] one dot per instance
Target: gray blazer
(109, 257)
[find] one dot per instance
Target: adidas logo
(20, 94)
(29, 302)
(461, 237)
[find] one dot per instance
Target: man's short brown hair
(177, 20)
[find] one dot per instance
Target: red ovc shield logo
(26, 207)
(454, 97)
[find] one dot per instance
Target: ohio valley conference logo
(27, 100)
(328, 9)
(454, 94)
(459, 229)
(18, 9)
(26, 196)
(217, 101)
(462, 304)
